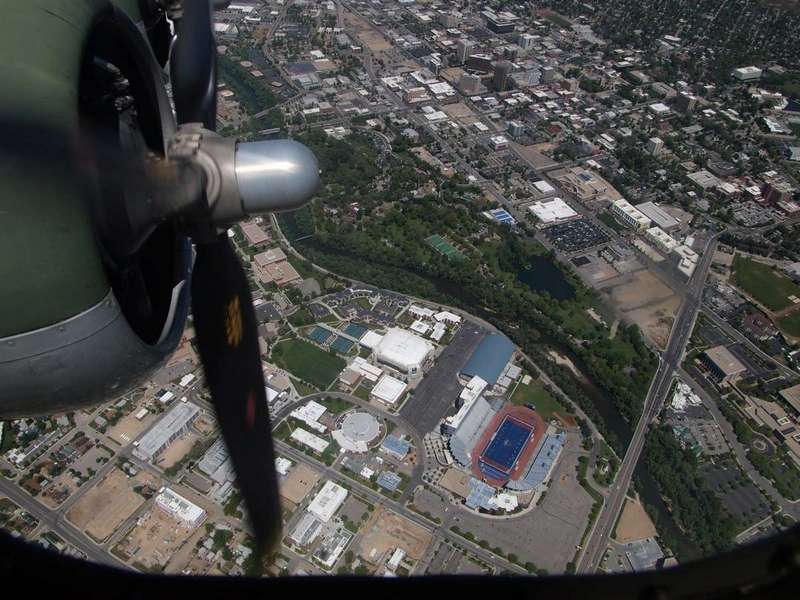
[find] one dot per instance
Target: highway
(670, 361)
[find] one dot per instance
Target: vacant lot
(307, 362)
(386, 530)
(766, 285)
(645, 300)
(298, 483)
(106, 506)
(151, 544)
(177, 450)
(535, 394)
(634, 524)
(128, 429)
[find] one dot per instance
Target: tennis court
(320, 335)
(442, 246)
(355, 331)
(341, 345)
(507, 444)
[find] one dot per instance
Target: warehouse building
(722, 364)
(404, 351)
(171, 426)
(658, 216)
(327, 501)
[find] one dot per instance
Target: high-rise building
(686, 102)
(464, 48)
(655, 145)
(469, 84)
(502, 69)
(548, 74)
(526, 40)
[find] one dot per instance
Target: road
(670, 361)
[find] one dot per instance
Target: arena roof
(489, 358)
(403, 350)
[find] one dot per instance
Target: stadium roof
(489, 358)
(546, 456)
(469, 431)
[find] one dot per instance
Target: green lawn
(764, 283)
(535, 394)
(336, 405)
(307, 362)
(790, 324)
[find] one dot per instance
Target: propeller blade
(225, 327)
(193, 66)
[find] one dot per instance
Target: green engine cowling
(65, 339)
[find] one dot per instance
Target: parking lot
(548, 534)
(740, 497)
(438, 391)
(575, 236)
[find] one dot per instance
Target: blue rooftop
(389, 480)
(490, 358)
(395, 445)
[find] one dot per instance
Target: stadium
(508, 447)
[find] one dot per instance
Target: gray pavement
(438, 391)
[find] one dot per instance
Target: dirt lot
(374, 41)
(177, 450)
(634, 524)
(386, 531)
(460, 111)
(151, 544)
(455, 481)
(535, 154)
(106, 506)
(645, 300)
(128, 429)
(298, 483)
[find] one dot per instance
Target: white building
(365, 369)
(552, 211)
(327, 501)
(629, 215)
(317, 444)
(389, 390)
(686, 259)
(403, 350)
(661, 239)
(179, 507)
(448, 317)
(310, 414)
(747, 73)
(655, 145)
(171, 426)
(370, 339)
(544, 189)
(499, 142)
